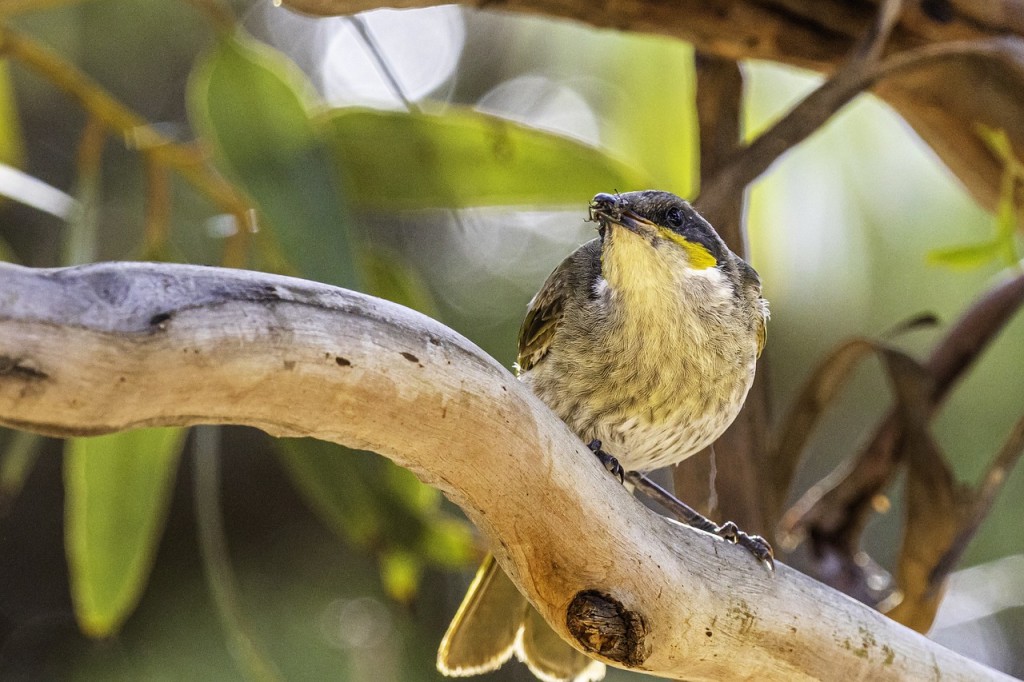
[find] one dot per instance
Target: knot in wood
(602, 625)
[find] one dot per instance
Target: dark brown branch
(813, 111)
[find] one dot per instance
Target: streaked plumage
(646, 339)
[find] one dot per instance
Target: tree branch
(814, 34)
(115, 346)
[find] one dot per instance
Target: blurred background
(343, 567)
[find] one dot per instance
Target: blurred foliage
(465, 158)
(380, 508)
(16, 459)
(118, 488)
(254, 106)
(12, 150)
(1003, 246)
(332, 188)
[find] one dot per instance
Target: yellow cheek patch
(700, 257)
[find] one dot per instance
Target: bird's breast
(655, 382)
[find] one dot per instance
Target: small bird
(644, 339)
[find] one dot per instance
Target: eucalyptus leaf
(117, 493)
(997, 142)
(255, 107)
(81, 237)
(393, 160)
(1006, 212)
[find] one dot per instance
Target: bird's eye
(674, 218)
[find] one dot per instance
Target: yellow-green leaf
(1004, 245)
(117, 491)
(998, 142)
(968, 256)
(254, 106)
(462, 157)
(1006, 215)
(449, 542)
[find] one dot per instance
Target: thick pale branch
(109, 347)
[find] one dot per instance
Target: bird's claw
(755, 544)
(609, 461)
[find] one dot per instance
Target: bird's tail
(495, 621)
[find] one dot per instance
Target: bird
(644, 341)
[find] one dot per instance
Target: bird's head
(659, 252)
(651, 235)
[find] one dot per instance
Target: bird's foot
(755, 544)
(609, 461)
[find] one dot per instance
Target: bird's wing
(542, 317)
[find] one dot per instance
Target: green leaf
(117, 492)
(417, 497)
(1006, 217)
(449, 542)
(254, 106)
(461, 158)
(81, 236)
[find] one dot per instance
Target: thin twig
(871, 46)
(386, 70)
